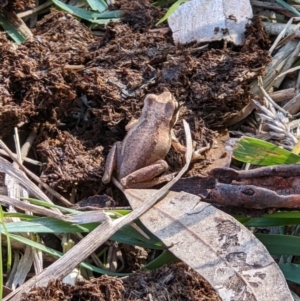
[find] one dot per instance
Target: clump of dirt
(84, 89)
(32, 79)
(71, 163)
(104, 288)
(17, 5)
(139, 15)
(173, 282)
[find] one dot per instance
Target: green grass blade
(288, 7)
(59, 254)
(291, 271)
(166, 257)
(46, 225)
(170, 11)
(11, 30)
(112, 213)
(284, 214)
(278, 244)
(271, 220)
(9, 251)
(163, 2)
(259, 152)
(95, 269)
(130, 233)
(120, 211)
(131, 236)
(127, 234)
(22, 216)
(111, 14)
(98, 5)
(48, 205)
(83, 13)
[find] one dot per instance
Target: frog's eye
(169, 109)
(149, 100)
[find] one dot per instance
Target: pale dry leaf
(215, 245)
(210, 20)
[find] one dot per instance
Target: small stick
(35, 10)
(28, 160)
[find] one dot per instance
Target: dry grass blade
(26, 159)
(97, 237)
(19, 24)
(81, 218)
(281, 35)
(5, 200)
(36, 178)
(35, 10)
(288, 71)
(288, 64)
(8, 169)
(293, 106)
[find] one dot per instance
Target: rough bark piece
(207, 21)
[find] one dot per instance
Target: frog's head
(164, 106)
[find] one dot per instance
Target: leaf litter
(84, 89)
(81, 90)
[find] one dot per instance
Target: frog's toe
(197, 154)
(127, 181)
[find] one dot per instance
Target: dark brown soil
(17, 5)
(175, 282)
(81, 90)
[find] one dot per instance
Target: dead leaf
(215, 245)
(207, 21)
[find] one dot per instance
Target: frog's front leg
(145, 174)
(111, 162)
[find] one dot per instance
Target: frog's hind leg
(145, 174)
(154, 182)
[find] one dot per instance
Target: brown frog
(139, 159)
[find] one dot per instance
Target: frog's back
(144, 144)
